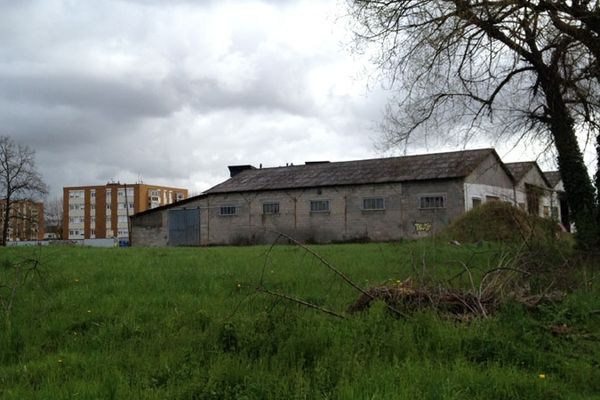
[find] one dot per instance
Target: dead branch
(299, 301)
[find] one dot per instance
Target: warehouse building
(377, 200)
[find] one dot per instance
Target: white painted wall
(476, 190)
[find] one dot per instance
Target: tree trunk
(598, 177)
(578, 185)
(6, 221)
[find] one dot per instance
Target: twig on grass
(301, 302)
(328, 265)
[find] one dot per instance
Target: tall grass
(188, 324)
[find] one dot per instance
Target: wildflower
(60, 361)
(89, 311)
(542, 376)
(76, 279)
(239, 286)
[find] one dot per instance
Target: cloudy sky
(171, 92)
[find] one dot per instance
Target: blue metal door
(184, 227)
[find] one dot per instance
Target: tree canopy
(517, 68)
(19, 179)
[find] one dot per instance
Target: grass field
(187, 323)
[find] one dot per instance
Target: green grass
(188, 324)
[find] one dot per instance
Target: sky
(172, 92)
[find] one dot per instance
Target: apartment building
(103, 211)
(26, 220)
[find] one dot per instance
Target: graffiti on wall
(423, 227)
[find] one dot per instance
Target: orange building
(104, 211)
(26, 220)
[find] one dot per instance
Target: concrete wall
(534, 177)
(489, 181)
(346, 220)
(150, 229)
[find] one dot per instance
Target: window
(554, 212)
(319, 206)
(546, 211)
(228, 210)
(492, 198)
(93, 232)
(122, 218)
(429, 202)
(476, 202)
(374, 203)
(93, 193)
(271, 208)
(92, 220)
(131, 206)
(76, 194)
(121, 193)
(92, 206)
(108, 206)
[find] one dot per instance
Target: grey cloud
(167, 124)
(113, 98)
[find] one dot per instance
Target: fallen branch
(327, 265)
(299, 301)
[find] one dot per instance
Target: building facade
(103, 211)
(559, 198)
(26, 220)
(533, 192)
(377, 200)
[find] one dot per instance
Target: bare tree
(19, 179)
(522, 69)
(53, 214)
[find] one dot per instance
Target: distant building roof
(457, 164)
(553, 177)
(519, 169)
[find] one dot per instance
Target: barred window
(228, 210)
(271, 208)
(433, 202)
(374, 203)
(319, 206)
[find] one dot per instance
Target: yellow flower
(542, 376)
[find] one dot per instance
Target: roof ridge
(376, 159)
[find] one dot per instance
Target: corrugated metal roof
(553, 177)
(457, 164)
(519, 169)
